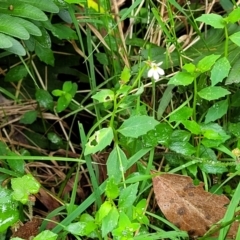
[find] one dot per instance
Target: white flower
(155, 71)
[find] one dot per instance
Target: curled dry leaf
(189, 207)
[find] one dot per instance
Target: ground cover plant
(119, 119)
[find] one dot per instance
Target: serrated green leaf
(213, 131)
(44, 99)
(215, 112)
(109, 222)
(233, 16)
(46, 235)
(125, 75)
(160, 135)
(180, 136)
(213, 93)
(234, 128)
(235, 38)
(184, 148)
(4, 41)
(103, 211)
(206, 63)
(137, 125)
(116, 164)
(23, 187)
(16, 74)
(29, 117)
(24, 10)
(191, 126)
(127, 196)
(45, 54)
(76, 228)
(212, 19)
(181, 114)
(9, 25)
(45, 5)
(181, 79)
(220, 70)
(234, 74)
(99, 140)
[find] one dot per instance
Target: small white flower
(155, 71)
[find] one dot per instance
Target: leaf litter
(190, 207)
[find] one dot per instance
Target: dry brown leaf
(187, 206)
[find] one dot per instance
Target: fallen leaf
(189, 207)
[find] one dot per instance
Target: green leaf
(103, 211)
(206, 63)
(44, 99)
(9, 210)
(102, 58)
(116, 164)
(77, 228)
(63, 102)
(184, 148)
(16, 74)
(99, 140)
(213, 93)
(16, 48)
(180, 136)
(63, 32)
(45, 54)
(29, 26)
(17, 165)
(128, 196)
(181, 78)
(215, 112)
(46, 235)
(4, 41)
(234, 16)
(137, 125)
(192, 126)
(110, 221)
(44, 40)
(234, 128)
(90, 225)
(235, 38)
(220, 70)
(104, 95)
(9, 25)
(111, 190)
(214, 132)
(189, 67)
(23, 187)
(234, 74)
(160, 135)
(125, 75)
(29, 117)
(24, 10)
(54, 138)
(181, 114)
(67, 86)
(212, 19)
(44, 5)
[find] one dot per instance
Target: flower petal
(159, 64)
(160, 71)
(155, 75)
(150, 73)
